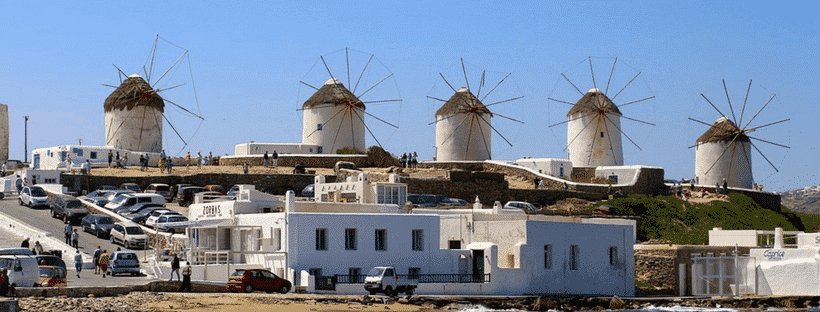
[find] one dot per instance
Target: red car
(249, 280)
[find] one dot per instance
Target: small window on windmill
(602, 134)
(318, 150)
(319, 127)
(93, 155)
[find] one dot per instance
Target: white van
(23, 270)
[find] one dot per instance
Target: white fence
(724, 276)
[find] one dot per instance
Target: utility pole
(25, 153)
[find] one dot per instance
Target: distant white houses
(559, 168)
(352, 226)
(68, 157)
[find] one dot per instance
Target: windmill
(594, 127)
(333, 117)
(136, 112)
(724, 151)
(463, 123)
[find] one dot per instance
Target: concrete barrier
(110, 291)
(8, 305)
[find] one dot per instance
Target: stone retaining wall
(657, 265)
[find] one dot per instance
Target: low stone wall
(287, 160)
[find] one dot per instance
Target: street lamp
(25, 152)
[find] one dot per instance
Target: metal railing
(422, 278)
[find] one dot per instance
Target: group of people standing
(272, 160)
(409, 160)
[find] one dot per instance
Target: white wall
(712, 165)
(337, 260)
(586, 147)
(627, 175)
(258, 149)
(549, 166)
(787, 272)
(463, 137)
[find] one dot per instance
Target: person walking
(161, 165)
(275, 159)
(97, 254)
(110, 157)
(199, 160)
(210, 158)
(38, 247)
(142, 163)
(188, 160)
(186, 278)
(104, 262)
(4, 169)
(25, 243)
(78, 262)
(67, 231)
(117, 160)
(265, 159)
(75, 239)
(169, 164)
(174, 268)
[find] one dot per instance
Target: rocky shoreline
(141, 301)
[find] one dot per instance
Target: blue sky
(246, 60)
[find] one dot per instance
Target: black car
(50, 260)
(97, 224)
(422, 201)
(187, 195)
(141, 215)
(68, 208)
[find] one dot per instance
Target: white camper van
(23, 270)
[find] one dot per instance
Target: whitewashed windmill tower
(464, 129)
(333, 117)
(594, 131)
(724, 151)
(133, 117)
(136, 111)
(464, 123)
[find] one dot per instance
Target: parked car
(124, 262)
(130, 186)
(607, 210)
(176, 190)
(443, 200)
(107, 188)
(98, 224)
(187, 195)
(215, 188)
(307, 191)
(172, 223)
(385, 280)
(152, 219)
(249, 280)
(23, 271)
(129, 201)
(521, 205)
(33, 196)
(422, 201)
(161, 189)
(128, 234)
(142, 214)
(111, 194)
(233, 191)
(52, 276)
(68, 208)
(458, 202)
(97, 197)
(50, 260)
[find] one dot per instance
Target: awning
(210, 223)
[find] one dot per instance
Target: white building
(463, 130)
(353, 226)
(133, 117)
(724, 152)
(594, 132)
(559, 168)
(254, 148)
(58, 157)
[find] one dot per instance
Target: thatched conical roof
(593, 102)
(332, 92)
(463, 101)
(132, 92)
(724, 130)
